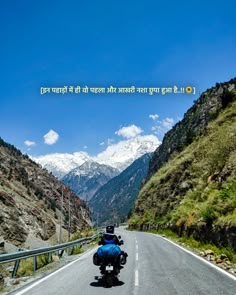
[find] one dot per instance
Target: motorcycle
(110, 265)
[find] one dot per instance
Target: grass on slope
(198, 184)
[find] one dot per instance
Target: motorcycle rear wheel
(109, 280)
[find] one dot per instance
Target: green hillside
(194, 192)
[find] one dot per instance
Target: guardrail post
(16, 266)
(61, 253)
(49, 257)
(15, 269)
(35, 264)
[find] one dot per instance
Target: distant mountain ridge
(114, 200)
(61, 164)
(86, 179)
(118, 156)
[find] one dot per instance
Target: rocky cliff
(192, 180)
(194, 123)
(30, 200)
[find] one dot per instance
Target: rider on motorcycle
(109, 238)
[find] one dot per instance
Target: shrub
(52, 204)
(26, 265)
(208, 214)
(77, 250)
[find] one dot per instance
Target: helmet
(110, 229)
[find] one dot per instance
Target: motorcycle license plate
(109, 267)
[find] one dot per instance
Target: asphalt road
(154, 267)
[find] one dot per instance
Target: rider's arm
(117, 241)
(101, 242)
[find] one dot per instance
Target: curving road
(155, 266)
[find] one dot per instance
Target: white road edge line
(198, 257)
(85, 254)
(136, 282)
(137, 247)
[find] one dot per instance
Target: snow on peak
(119, 155)
(123, 153)
(60, 164)
(91, 168)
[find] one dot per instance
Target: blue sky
(103, 43)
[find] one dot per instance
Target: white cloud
(110, 141)
(168, 122)
(162, 126)
(154, 116)
(51, 137)
(159, 130)
(129, 131)
(85, 147)
(29, 143)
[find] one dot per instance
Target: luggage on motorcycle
(122, 259)
(96, 259)
(109, 250)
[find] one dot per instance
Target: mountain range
(119, 156)
(86, 179)
(61, 164)
(114, 200)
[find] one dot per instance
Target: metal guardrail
(17, 256)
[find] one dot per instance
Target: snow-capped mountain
(119, 155)
(61, 164)
(124, 153)
(86, 179)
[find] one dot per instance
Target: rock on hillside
(30, 200)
